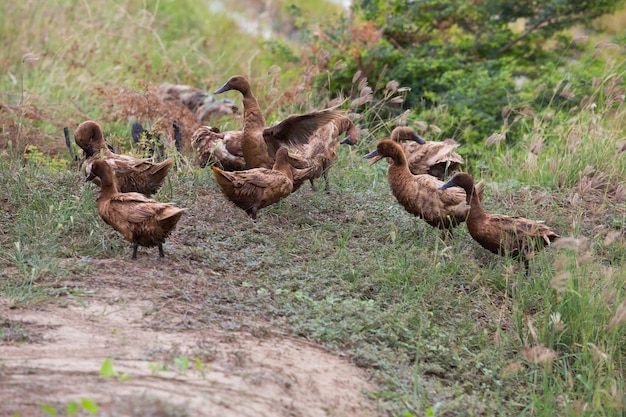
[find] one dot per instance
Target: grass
(443, 329)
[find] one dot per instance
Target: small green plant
(34, 156)
(182, 363)
(158, 367)
(72, 408)
(107, 371)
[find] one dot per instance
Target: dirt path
(52, 354)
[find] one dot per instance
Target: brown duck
(321, 151)
(517, 237)
(259, 142)
(438, 159)
(255, 188)
(141, 220)
(133, 175)
(420, 194)
(221, 148)
(202, 104)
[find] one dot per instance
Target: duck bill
(225, 87)
(374, 156)
(447, 184)
(347, 141)
(89, 152)
(417, 138)
(90, 177)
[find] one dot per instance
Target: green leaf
(72, 408)
(181, 363)
(48, 409)
(90, 406)
(107, 368)
(124, 377)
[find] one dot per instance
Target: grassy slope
(452, 329)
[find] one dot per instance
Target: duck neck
(284, 167)
(399, 166)
(471, 197)
(251, 110)
(97, 140)
(108, 186)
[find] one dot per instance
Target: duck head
(402, 133)
(386, 148)
(352, 136)
(97, 168)
(460, 179)
(236, 82)
(89, 137)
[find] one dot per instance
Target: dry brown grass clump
(19, 131)
(120, 104)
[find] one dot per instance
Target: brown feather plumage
(255, 188)
(139, 219)
(321, 151)
(221, 148)
(438, 159)
(517, 237)
(132, 174)
(419, 194)
(259, 142)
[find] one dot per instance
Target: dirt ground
(51, 353)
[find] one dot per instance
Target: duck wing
(233, 141)
(296, 129)
(224, 148)
(438, 152)
(258, 177)
(118, 162)
(535, 228)
(132, 207)
(452, 196)
(439, 208)
(137, 208)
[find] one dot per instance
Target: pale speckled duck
(517, 237)
(259, 142)
(321, 151)
(438, 159)
(133, 175)
(255, 188)
(221, 148)
(420, 194)
(202, 104)
(141, 220)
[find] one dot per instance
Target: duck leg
(313, 187)
(252, 212)
(446, 233)
(325, 175)
(135, 246)
(161, 253)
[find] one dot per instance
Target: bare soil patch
(54, 352)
